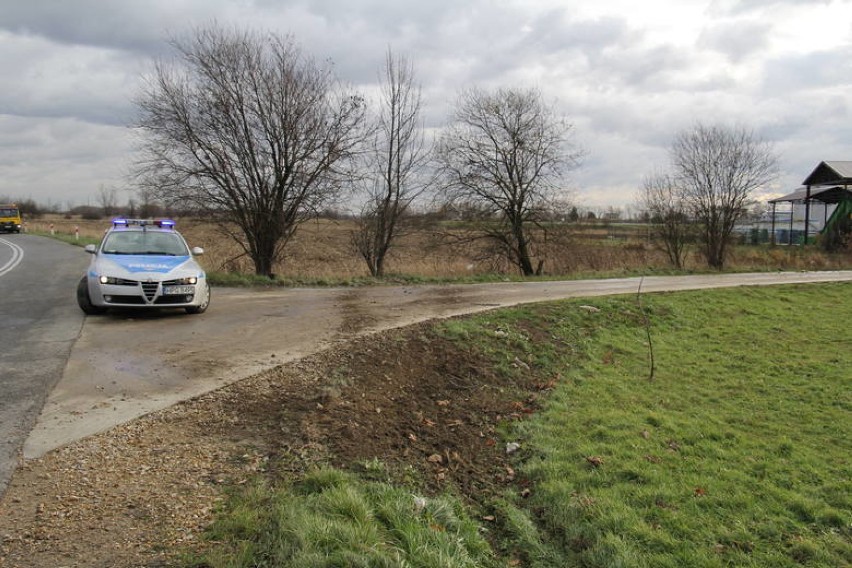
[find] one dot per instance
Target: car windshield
(8, 212)
(144, 242)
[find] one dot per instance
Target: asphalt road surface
(39, 323)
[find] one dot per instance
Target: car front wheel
(201, 308)
(84, 301)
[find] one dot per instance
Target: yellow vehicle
(10, 218)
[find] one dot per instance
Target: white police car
(143, 263)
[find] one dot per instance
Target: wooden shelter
(829, 183)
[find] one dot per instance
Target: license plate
(172, 290)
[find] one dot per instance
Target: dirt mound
(413, 399)
(133, 495)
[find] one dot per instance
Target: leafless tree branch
(507, 153)
(243, 125)
(718, 168)
(663, 200)
(395, 166)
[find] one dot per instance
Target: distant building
(800, 215)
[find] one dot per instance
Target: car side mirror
(91, 249)
(197, 251)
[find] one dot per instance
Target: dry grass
(321, 250)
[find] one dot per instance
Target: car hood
(139, 266)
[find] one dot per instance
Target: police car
(143, 263)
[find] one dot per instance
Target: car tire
(84, 301)
(200, 309)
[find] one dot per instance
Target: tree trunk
(263, 255)
(522, 250)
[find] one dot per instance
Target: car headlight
(108, 280)
(187, 280)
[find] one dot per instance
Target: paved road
(124, 366)
(39, 323)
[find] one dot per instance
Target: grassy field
(735, 453)
(321, 254)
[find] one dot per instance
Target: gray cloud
(60, 160)
(815, 70)
(628, 82)
(74, 81)
(129, 26)
(738, 7)
(736, 40)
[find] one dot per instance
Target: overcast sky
(629, 75)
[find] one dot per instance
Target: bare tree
(613, 213)
(508, 152)
(108, 198)
(148, 206)
(395, 165)
(718, 168)
(246, 127)
(662, 198)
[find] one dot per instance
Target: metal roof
(830, 173)
(826, 195)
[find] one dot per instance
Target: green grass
(736, 453)
(333, 519)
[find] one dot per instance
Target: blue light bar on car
(162, 223)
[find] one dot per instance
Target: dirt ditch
(136, 494)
